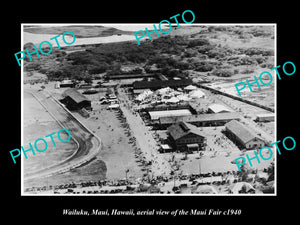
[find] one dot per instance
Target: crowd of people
(147, 183)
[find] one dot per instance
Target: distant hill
(79, 31)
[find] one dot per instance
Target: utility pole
(126, 171)
(199, 168)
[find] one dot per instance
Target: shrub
(205, 48)
(98, 69)
(204, 67)
(216, 53)
(198, 42)
(259, 59)
(259, 51)
(246, 60)
(223, 72)
(247, 71)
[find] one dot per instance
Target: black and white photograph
(161, 116)
(147, 113)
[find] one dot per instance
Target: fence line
(236, 98)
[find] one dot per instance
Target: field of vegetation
(210, 51)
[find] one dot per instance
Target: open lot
(108, 126)
(37, 124)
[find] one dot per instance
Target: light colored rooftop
(155, 115)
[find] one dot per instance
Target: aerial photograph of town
(162, 117)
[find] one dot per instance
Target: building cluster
(165, 105)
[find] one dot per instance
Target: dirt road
(88, 144)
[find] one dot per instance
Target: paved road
(88, 144)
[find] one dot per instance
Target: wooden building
(74, 100)
(186, 137)
(201, 120)
(242, 136)
(266, 117)
(158, 84)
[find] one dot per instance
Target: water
(38, 38)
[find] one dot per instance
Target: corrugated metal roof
(156, 84)
(240, 131)
(75, 95)
(181, 129)
(200, 118)
(166, 113)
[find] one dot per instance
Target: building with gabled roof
(218, 108)
(74, 100)
(242, 136)
(186, 137)
(200, 120)
(157, 84)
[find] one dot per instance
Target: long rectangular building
(215, 119)
(242, 136)
(155, 115)
(157, 84)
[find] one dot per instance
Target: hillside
(80, 31)
(222, 51)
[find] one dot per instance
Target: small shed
(165, 148)
(265, 117)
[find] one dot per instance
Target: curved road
(88, 144)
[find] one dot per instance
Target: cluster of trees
(171, 55)
(223, 72)
(256, 51)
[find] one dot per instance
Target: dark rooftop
(200, 118)
(181, 129)
(157, 84)
(75, 95)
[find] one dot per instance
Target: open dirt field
(117, 151)
(37, 124)
(64, 155)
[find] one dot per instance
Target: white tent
(183, 98)
(172, 100)
(190, 88)
(205, 189)
(237, 187)
(217, 108)
(144, 95)
(113, 106)
(164, 91)
(197, 94)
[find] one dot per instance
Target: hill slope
(79, 31)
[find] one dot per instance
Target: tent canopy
(144, 95)
(197, 94)
(190, 88)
